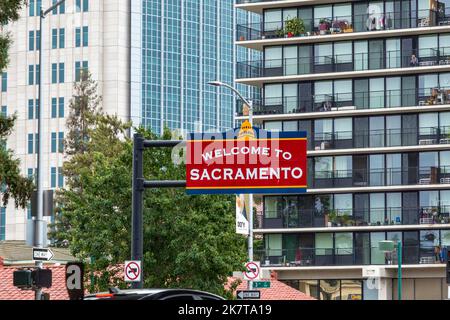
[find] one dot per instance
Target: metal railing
(349, 101)
(343, 63)
(380, 177)
(351, 217)
(342, 24)
(346, 255)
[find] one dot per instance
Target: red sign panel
(246, 160)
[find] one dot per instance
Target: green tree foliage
(9, 12)
(13, 185)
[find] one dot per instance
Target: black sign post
(139, 185)
(75, 280)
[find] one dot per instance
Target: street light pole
(249, 103)
(39, 221)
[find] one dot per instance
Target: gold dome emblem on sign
(246, 132)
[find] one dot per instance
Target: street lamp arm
(222, 84)
(46, 12)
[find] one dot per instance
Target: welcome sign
(246, 160)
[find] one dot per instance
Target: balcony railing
(389, 216)
(344, 256)
(343, 63)
(380, 138)
(342, 24)
(379, 177)
(349, 101)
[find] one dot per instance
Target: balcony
(380, 138)
(379, 177)
(343, 63)
(342, 24)
(343, 256)
(289, 218)
(348, 101)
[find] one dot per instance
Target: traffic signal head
(27, 279)
(22, 279)
(42, 278)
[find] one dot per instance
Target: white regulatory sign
(132, 271)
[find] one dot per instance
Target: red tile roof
(277, 291)
(9, 292)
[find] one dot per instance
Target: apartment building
(370, 83)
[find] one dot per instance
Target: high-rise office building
(151, 59)
(370, 83)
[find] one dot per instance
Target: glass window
(323, 92)
(426, 85)
(323, 54)
(31, 41)
(4, 77)
(444, 162)
(274, 244)
(323, 129)
(85, 36)
(30, 109)
(343, 128)
(61, 107)
(428, 124)
(445, 238)
(343, 91)
(61, 73)
(62, 38)
(290, 126)
(270, 207)
(343, 13)
(322, 13)
(54, 108)
(393, 53)
(330, 290)
(272, 57)
(343, 166)
(428, 159)
(376, 87)
(394, 92)
(377, 256)
(30, 75)
(377, 173)
(53, 142)
(343, 204)
(429, 239)
(54, 38)
(290, 60)
(323, 167)
(77, 37)
(377, 131)
(394, 207)
(444, 81)
(30, 143)
(273, 125)
(393, 131)
(324, 244)
(444, 44)
(428, 46)
(361, 55)
(272, 20)
(54, 73)
(393, 169)
(273, 94)
(344, 243)
(290, 97)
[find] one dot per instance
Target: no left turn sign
(132, 271)
(252, 271)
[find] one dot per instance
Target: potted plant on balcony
(280, 33)
(294, 27)
(324, 26)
